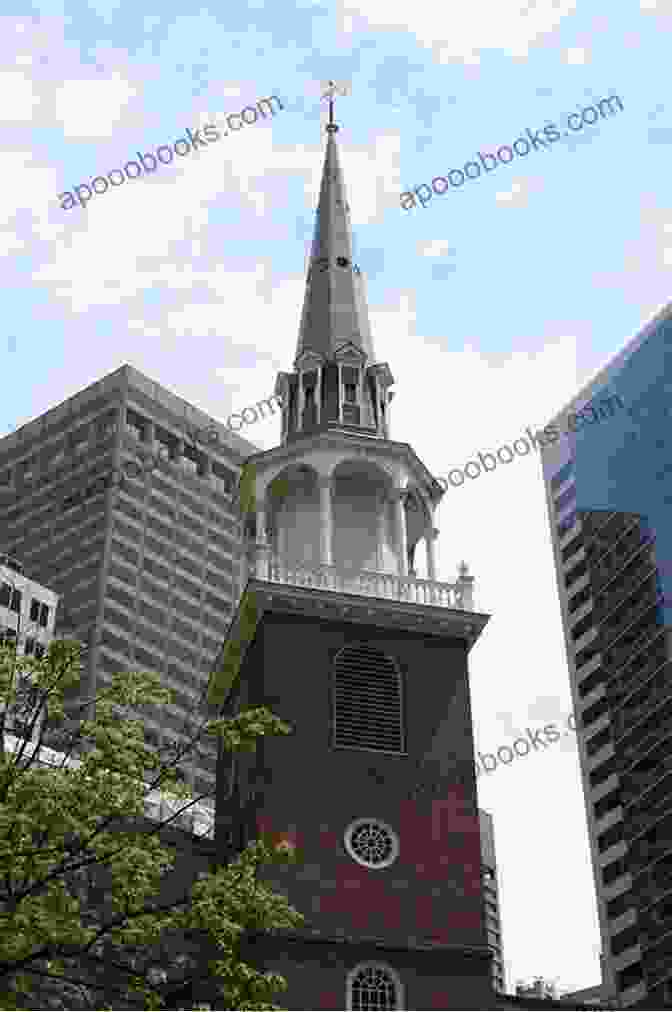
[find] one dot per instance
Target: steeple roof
(334, 309)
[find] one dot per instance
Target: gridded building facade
(609, 492)
(108, 500)
(491, 899)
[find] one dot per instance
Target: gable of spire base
(282, 385)
(348, 353)
(384, 374)
(309, 359)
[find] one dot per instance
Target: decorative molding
(308, 934)
(317, 602)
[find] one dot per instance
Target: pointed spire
(334, 308)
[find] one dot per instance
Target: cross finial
(333, 89)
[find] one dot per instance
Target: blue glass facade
(624, 463)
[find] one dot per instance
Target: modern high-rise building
(493, 921)
(109, 501)
(608, 484)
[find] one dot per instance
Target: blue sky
(492, 305)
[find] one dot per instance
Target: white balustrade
(370, 583)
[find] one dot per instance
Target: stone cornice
(322, 938)
(371, 447)
(315, 602)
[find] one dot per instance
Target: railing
(370, 583)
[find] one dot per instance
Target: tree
(71, 824)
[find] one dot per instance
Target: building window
(373, 986)
(371, 843)
(367, 701)
(225, 479)
(193, 461)
(562, 475)
(21, 713)
(5, 594)
(34, 610)
(565, 499)
(309, 383)
(16, 601)
(350, 400)
(30, 646)
(106, 425)
(135, 424)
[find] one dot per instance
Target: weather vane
(334, 89)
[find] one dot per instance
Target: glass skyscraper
(608, 482)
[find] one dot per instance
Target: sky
(492, 304)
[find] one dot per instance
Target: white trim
(318, 393)
(370, 964)
(300, 402)
(340, 392)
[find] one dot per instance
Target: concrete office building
(27, 616)
(146, 564)
(493, 922)
(609, 492)
(27, 609)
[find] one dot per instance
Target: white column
(380, 532)
(326, 520)
(430, 545)
(300, 401)
(260, 511)
(410, 555)
(318, 393)
(282, 532)
(389, 394)
(402, 540)
(340, 393)
(262, 547)
(467, 583)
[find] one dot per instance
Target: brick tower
(337, 634)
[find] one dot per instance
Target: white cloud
(20, 97)
(576, 57)
(93, 107)
(433, 247)
(505, 26)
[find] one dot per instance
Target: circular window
(371, 843)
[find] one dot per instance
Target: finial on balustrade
(467, 585)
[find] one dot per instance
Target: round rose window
(371, 843)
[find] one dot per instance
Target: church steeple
(338, 497)
(364, 650)
(336, 382)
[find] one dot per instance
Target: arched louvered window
(367, 701)
(373, 986)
